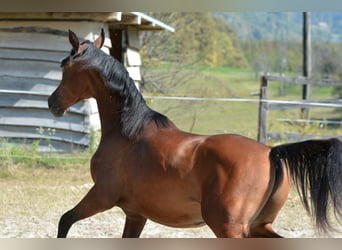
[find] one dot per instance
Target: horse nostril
(49, 104)
(55, 106)
(50, 101)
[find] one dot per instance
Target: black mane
(135, 114)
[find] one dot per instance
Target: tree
(200, 39)
(326, 60)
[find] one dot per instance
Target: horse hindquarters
(316, 168)
(239, 182)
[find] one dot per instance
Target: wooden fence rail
(266, 105)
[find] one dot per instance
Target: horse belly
(168, 205)
(176, 214)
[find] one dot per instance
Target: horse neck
(109, 116)
(108, 111)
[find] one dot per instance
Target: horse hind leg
(224, 218)
(261, 227)
(91, 204)
(225, 224)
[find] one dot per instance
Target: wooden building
(31, 47)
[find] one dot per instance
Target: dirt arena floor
(32, 201)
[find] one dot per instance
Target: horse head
(76, 78)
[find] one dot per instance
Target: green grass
(317, 129)
(13, 157)
(14, 154)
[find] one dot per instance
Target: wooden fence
(266, 105)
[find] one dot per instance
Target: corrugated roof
(140, 20)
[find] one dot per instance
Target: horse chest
(106, 166)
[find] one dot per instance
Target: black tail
(315, 168)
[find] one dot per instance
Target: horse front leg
(94, 202)
(133, 226)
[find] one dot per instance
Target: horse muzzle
(55, 106)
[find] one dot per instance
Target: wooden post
(263, 110)
(306, 60)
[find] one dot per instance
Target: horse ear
(100, 40)
(74, 40)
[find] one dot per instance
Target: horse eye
(73, 55)
(64, 61)
(76, 55)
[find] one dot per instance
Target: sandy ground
(31, 209)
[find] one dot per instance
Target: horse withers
(152, 170)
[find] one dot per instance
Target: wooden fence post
(306, 60)
(263, 110)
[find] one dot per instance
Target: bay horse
(152, 170)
